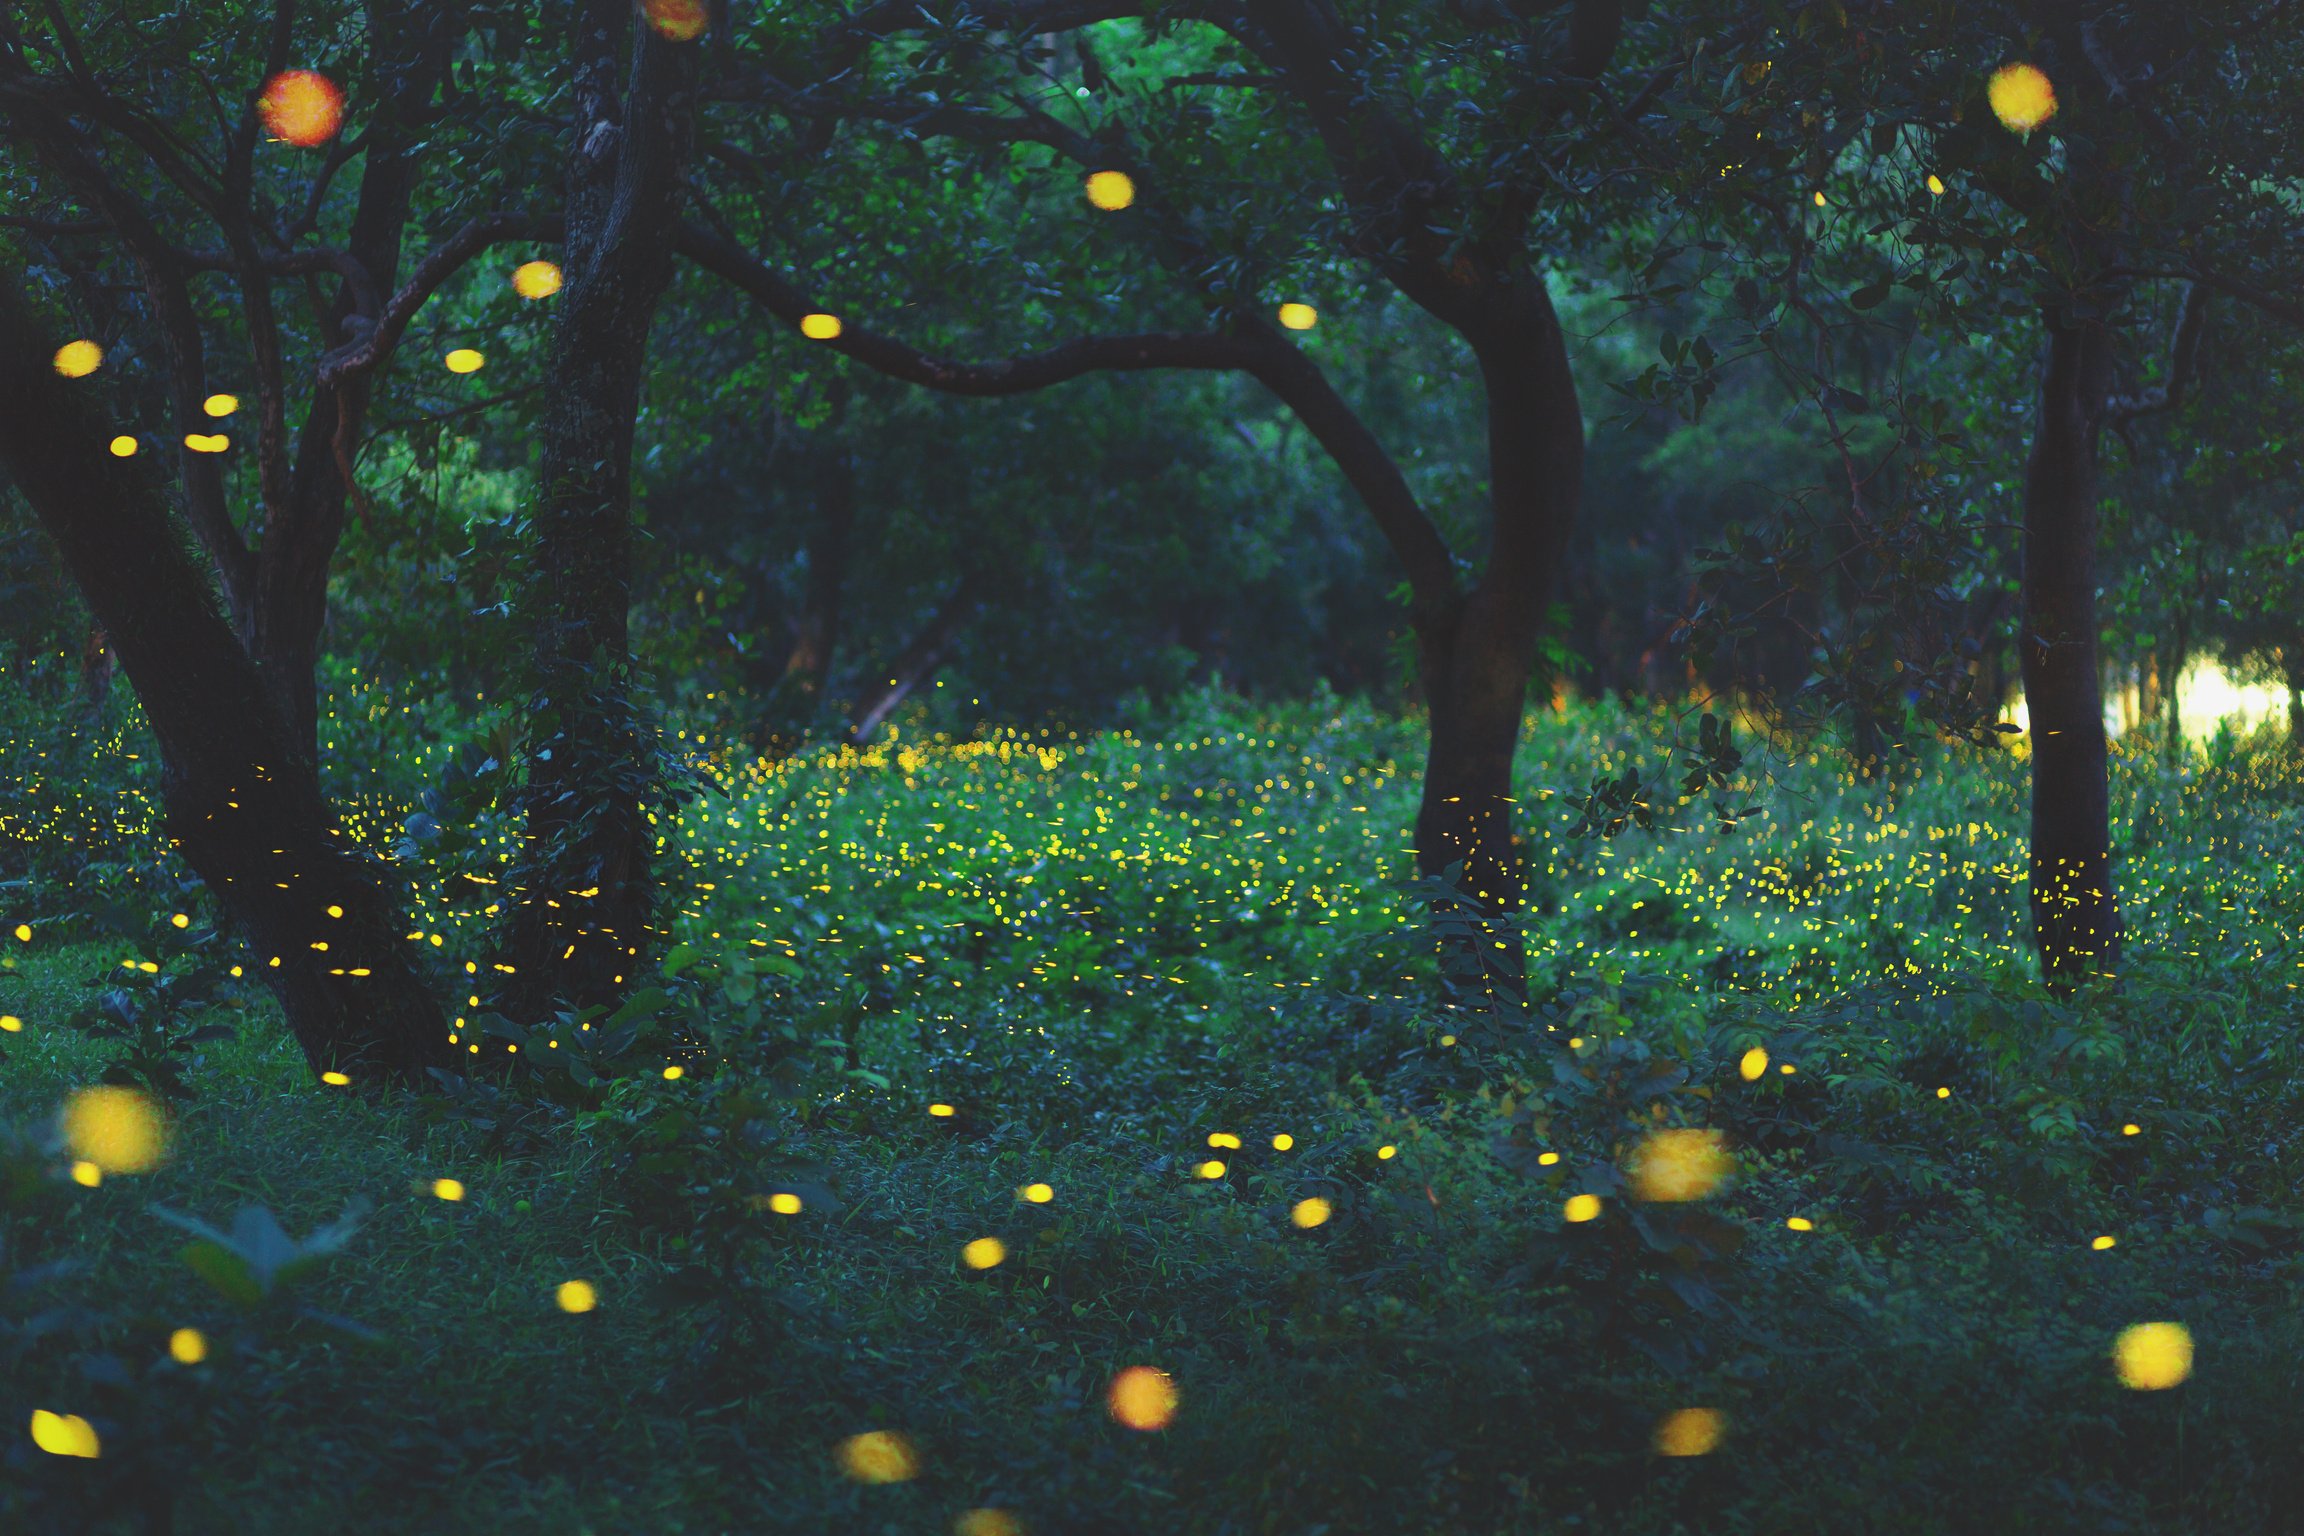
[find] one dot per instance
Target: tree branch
(2183, 357)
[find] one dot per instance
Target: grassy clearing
(1102, 952)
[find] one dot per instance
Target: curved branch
(1254, 349)
(368, 349)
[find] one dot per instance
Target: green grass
(1103, 950)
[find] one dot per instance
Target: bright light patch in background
(536, 279)
(78, 359)
(987, 1522)
(1299, 317)
(302, 107)
(1143, 1397)
(679, 21)
(820, 327)
(10, 1024)
(879, 1456)
(2021, 97)
(1690, 1432)
(2152, 1357)
(1111, 190)
(1680, 1165)
(2206, 695)
(64, 1434)
(117, 1129)
(464, 360)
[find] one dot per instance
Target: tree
(585, 895)
(325, 929)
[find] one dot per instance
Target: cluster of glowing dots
(2021, 97)
(301, 107)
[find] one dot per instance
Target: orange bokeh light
(302, 107)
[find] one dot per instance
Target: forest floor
(1119, 961)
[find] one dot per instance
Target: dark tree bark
(412, 41)
(585, 892)
(816, 633)
(917, 662)
(2075, 914)
(241, 806)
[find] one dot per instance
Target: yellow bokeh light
(207, 442)
(302, 107)
(1547, 1159)
(87, 1174)
(1690, 1432)
(1283, 1142)
(1143, 1397)
(335, 1079)
(987, 1522)
(1581, 1208)
(1312, 1212)
(464, 360)
(679, 21)
(1753, 1064)
(1800, 1224)
(23, 933)
(448, 1189)
(1210, 1169)
(941, 1111)
(64, 1434)
(1111, 190)
(673, 1074)
(1037, 1194)
(984, 1253)
(879, 1456)
(1943, 1093)
(2021, 96)
(78, 359)
(2104, 1242)
(2152, 1357)
(122, 447)
(536, 279)
(1223, 1139)
(220, 405)
(10, 1024)
(1936, 186)
(1822, 201)
(2131, 1129)
(784, 1203)
(576, 1296)
(118, 1129)
(820, 327)
(187, 1346)
(1385, 1154)
(1679, 1165)
(1298, 317)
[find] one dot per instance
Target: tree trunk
(2075, 914)
(1476, 662)
(2172, 740)
(917, 662)
(585, 891)
(2292, 670)
(818, 631)
(240, 804)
